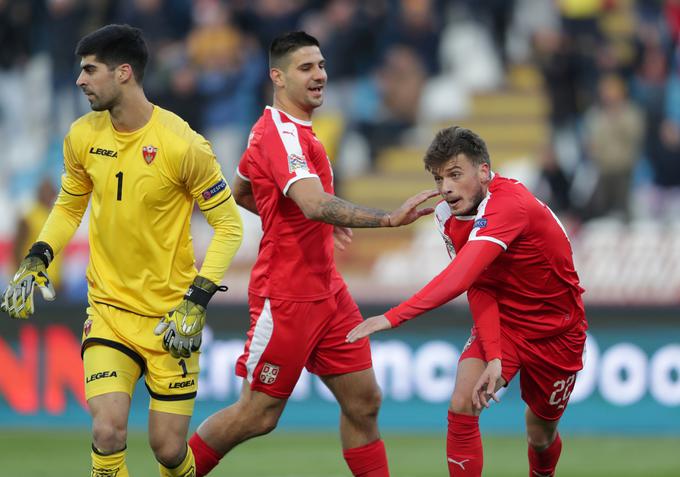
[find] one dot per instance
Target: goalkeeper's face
(304, 78)
(98, 83)
(462, 184)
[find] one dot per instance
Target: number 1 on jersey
(119, 194)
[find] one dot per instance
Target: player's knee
(108, 436)
(461, 404)
(267, 422)
(540, 439)
(364, 407)
(169, 452)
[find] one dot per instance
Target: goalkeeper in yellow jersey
(141, 168)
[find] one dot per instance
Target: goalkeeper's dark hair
(115, 45)
(450, 142)
(283, 45)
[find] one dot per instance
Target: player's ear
(484, 173)
(276, 76)
(124, 73)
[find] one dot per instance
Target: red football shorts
(285, 336)
(547, 367)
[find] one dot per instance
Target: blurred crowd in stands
(397, 70)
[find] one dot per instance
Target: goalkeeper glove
(18, 298)
(182, 326)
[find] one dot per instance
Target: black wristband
(202, 290)
(43, 251)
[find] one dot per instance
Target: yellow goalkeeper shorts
(119, 347)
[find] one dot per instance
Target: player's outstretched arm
(18, 298)
(319, 205)
(182, 327)
(368, 327)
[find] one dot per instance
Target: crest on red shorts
(87, 327)
(149, 153)
(269, 373)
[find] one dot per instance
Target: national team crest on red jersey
(269, 373)
(149, 153)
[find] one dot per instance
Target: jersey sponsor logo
(269, 373)
(480, 223)
(181, 384)
(149, 153)
(213, 190)
(297, 162)
(87, 327)
(101, 375)
(103, 152)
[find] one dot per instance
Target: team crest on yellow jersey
(149, 153)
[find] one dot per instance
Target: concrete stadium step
(510, 103)
(385, 190)
(508, 129)
(524, 77)
(506, 140)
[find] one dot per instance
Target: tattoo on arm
(337, 211)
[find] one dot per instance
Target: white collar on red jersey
(292, 118)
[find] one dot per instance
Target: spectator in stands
(15, 38)
(348, 29)
(650, 90)
(398, 84)
(416, 25)
(230, 70)
(613, 138)
(164, 23)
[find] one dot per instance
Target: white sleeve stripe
(238, 173)
(489, 239)
(293, 180)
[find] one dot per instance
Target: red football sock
(367, 461)
(543, 463)
(205, 456)
(464, 452)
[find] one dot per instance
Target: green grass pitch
(38, 453)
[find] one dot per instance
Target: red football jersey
(295, 260)
(534, 280)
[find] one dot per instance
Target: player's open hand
(18, 298)
(368, 327)
(342, 237)
(409, 212)
(485, 389)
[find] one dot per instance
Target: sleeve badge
(297, 162)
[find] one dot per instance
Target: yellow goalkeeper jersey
(143, 185)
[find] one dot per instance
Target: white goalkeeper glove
(182, 326)
(18, 298)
